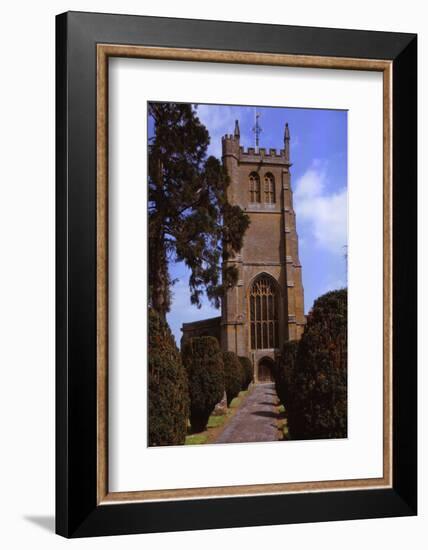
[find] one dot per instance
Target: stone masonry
(260, 183)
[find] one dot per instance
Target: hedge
(167, 382)
(204, 365)
(283, 371)
(232, 375)
(316, 401)
(247, 372)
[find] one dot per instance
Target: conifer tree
(190, 218)
(168, 406)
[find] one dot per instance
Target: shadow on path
(266, 414)
(253, 421)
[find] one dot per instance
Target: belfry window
(269, 189)
(254, 185)
(264, 313)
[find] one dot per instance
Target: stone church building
(266, 307)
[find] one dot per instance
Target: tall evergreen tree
(190, 218)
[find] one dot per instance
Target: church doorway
(264, 370)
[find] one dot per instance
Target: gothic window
(254, 187)
(264, 313)
(269, 189)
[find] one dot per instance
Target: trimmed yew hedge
(283, 369)
(204, 364)
(232, 375)
(167, 381)
(316, 393)
(247, 372)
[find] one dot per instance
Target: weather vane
(257, 128)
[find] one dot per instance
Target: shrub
(204, 364)
(283, 371)
(232, 375)
(317, 404)
(247, 368)
(167, 382)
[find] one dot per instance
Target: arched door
(264, 371)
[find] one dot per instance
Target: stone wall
(207, 327)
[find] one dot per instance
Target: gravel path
(255, 419)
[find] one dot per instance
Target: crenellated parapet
(262, 152)
(230, 145)
(263, 156)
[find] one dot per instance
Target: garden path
(256, 419)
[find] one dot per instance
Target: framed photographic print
(236, 274)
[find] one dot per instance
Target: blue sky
(319, 181)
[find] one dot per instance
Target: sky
(318, 150)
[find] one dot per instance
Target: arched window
(269, 189)
(254, 187)
(264, 313)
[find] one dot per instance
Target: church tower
(266, 307)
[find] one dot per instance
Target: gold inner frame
(104, 51)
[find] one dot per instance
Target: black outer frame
(77, 513)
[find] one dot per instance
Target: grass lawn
(216, 423)
(238, 400)
(196, 439)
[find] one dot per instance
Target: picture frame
(84, 44)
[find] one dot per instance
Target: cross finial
(257, 128)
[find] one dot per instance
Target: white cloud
(326, 214)
(310, 185)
